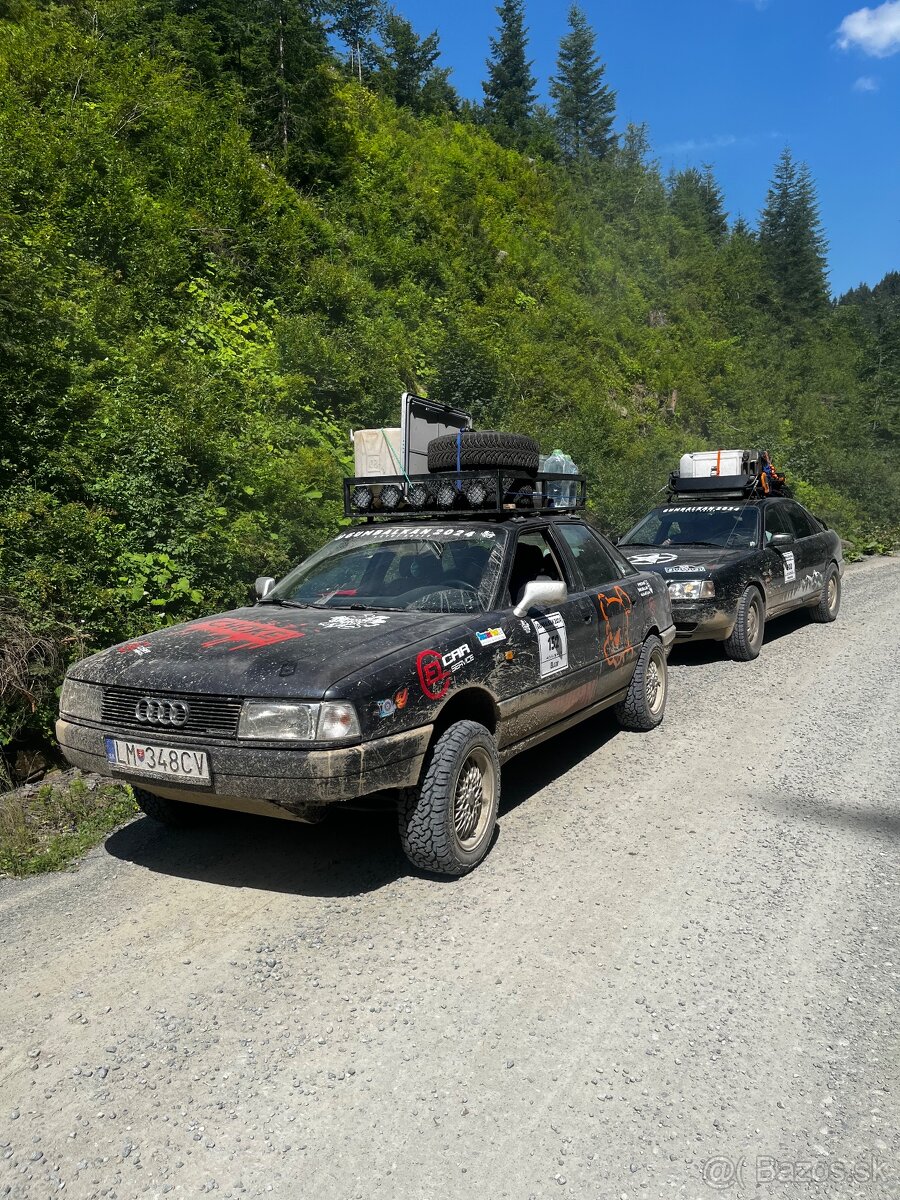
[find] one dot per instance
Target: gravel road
(677, 970)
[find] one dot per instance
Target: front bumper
(278, 782)
(696, 620)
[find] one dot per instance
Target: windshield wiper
(715, 545)
(282, 603)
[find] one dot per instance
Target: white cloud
(875, 31)
(713, 143)
(720, 142)
(866, 83)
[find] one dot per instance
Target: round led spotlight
(445, 494)
(476, 492)
(417, 495)
(361, 498)
(391, 496)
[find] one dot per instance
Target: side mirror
(263, 586)
(541, 593)
(781, 539)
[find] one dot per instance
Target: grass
(46, 830)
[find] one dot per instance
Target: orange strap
(719, 463)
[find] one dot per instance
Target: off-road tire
(176, 813)
(483, 449)
(428, 829)
(827, 607)
(745, 641)
(643, 707)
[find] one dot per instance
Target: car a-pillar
(447, 822)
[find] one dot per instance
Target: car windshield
(410, 568)
(727, 525)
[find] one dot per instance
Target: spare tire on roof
(483, 448)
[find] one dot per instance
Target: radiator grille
(216, 716)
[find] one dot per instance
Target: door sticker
(790, 570)
(553, 643)
(615, 613)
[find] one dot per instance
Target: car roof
(471, 520)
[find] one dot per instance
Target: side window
(534, 558)
(802, 525)
(596, 566)
(776, 522)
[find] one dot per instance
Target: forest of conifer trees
(232, 230)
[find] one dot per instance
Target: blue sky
(731, 82)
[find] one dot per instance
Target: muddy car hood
(263, 651)
(673, 561)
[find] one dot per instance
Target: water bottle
(556, 491)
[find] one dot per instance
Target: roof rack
(498, 493)
(730, 487)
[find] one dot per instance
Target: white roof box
(709, 464)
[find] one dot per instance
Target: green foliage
(45, 830)
(406, 68)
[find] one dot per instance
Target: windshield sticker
(242, 635)
(415, 533)
(705, 508)
(553, 643)
(651, 559)
(488, 636)
(615, 612)
(790, 569)
(363, 621)
(644, 587)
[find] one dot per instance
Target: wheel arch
(468, 704)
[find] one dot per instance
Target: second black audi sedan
(731, 564)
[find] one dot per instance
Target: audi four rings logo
(161, 712)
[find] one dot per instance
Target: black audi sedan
(733, 563)
(407, 658)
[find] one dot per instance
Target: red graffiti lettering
(240, 635)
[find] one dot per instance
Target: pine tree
(353, 22)
(509, 90)
(793, 240)
(585, 105)
(696, 199)
(406, 68)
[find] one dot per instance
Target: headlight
(79, 699)
(292, 720)
(692, 589)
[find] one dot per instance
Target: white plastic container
(377, 452)
(705, 464)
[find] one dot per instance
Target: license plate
(150, 759)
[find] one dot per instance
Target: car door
(611, 586)
(811, 551)
(780, 571)
(551, 670)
